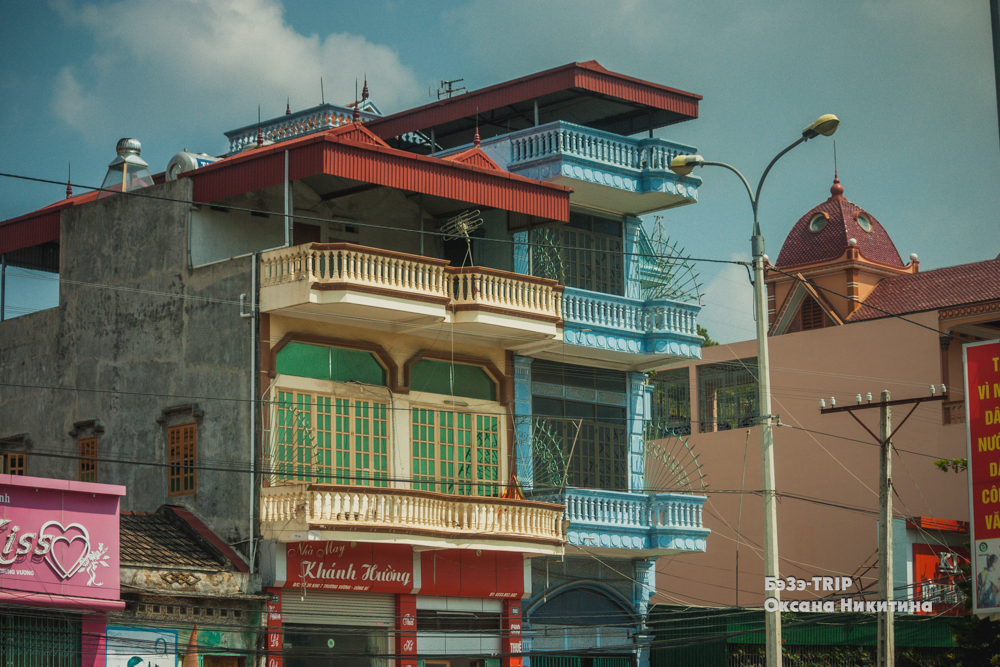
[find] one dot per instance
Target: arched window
(583, 606)
(812, 314)
(321, 362)
(443, 377)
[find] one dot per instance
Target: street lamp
(682, 165)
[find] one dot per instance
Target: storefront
(59, 570)
(360, 604)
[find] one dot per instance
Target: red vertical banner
(982, 421)
(513, 644)
(406, 630)
(275, 636)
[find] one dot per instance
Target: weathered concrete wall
(135, 332)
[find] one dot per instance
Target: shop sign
(59, 538)
(350, 566)
(936, 572)
(982, 418)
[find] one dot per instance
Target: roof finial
(836, 190)
(260, 134)
(357, 106)
(364, 91)
(475, 139)
(69, 177)
(288, 106)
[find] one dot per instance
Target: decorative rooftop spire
(288, 106)
(364, 91)
(836, 190)
(69, 176)
(357, 104)
(475, 139)
(260, 133)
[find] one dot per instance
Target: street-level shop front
(59, 570)
(370, 604)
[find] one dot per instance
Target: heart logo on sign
(66, 556)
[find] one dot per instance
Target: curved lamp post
(682, 165)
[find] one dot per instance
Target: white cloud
(728, 304)
(190, 63)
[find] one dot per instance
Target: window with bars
(182, 457)
(590, 254)
(39, 639)
(584, 443)
(812, 314)
(329, 440)
(88, 460)
(671, 403)
(728, 395)
(455, 452)
(13, 463)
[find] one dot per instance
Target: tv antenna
(447, 88)
(460, 226)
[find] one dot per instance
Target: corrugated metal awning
(582, 93)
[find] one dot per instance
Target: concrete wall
(135, 332)
(821, 460)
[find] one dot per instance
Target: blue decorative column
(644, 588)
(522, 422)
(638, 413)
(630, 265)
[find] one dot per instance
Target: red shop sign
(350, 566)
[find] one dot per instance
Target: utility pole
(886, 592)
(886, 638)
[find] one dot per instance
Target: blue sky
(911, 80)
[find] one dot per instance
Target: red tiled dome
(803, 246)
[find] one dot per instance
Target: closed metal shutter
(328, 608)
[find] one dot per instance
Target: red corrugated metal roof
(589, 80)
(932, 290)
(337, 154)
(349, 152)
(37, 227)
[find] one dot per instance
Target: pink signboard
(59, 542)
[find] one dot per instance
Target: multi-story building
(400, 368)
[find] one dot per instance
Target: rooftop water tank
(185, 161)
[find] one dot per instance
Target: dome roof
(823, 234)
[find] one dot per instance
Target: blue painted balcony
(646, 525)
(631, 332)
(607, 172)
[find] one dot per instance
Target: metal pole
(772, 619)
(3, 283)
(886, 640)
(288, 207)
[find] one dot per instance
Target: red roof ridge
(209, 535)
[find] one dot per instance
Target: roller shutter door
(327, 608)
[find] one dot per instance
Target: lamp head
(825, 125)
(682, 165)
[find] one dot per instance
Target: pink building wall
(821, 460)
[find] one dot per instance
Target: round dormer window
(864, 222)
(817, 223)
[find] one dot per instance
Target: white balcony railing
(621, 314)
(347, 507)
(619, 510)
(562, 138)
(511, 291)
(344, 263)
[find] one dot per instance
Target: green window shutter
(436, 377)
(330, 363)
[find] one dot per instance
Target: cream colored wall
(833, 461)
